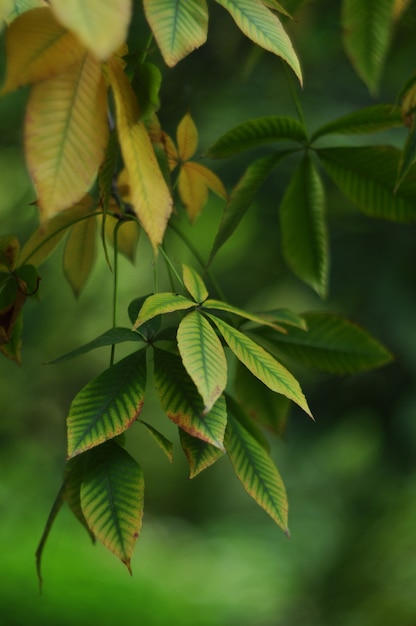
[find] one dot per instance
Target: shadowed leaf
(79, 253)
(199, 454)
(109, 338)
(368, 120)
(163, 443)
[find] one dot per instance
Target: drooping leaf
(240, 414)
(331, 344)
(186, 138)
(182, 403)
(74, 474)
(148, 329)
(163, 443)
(9, 252)
(368, 120)
(408, 157)
(367, 176)
(160, 303)
(203, 357)
(179, 27)
(194, 284)
(223, 306)
(45, 238)
(194, 181)
(38, 48)
(112, 498)
(264, 28)
(79, 253)
(150, 195)
(285, 317)
(262, 364)
(107, 405)
(276, 6)
(101, 25)
(109, 338)
(66, 134)
(11, 9)
(257, 472)
(256, 132)
(367, 33)
(199, 454)
(243, 195)
(303, 227)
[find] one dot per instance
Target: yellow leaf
(193, 183)
(211, 180)
(127, 236)
(101, 25)
(150, 196)
(11, 9)
(38, 48)
(79, 253)
(170, 149)
(66, 133)
(187, 138)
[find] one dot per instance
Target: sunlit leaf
(163, 443)
(79, 253)
(367, 176)
(303, 227)
(228, 308)
(264, 28)
(112, 498)
(74, 474)
(101, 25)
(182, 403)
(254, 133)
(11, 9)
(257, 472)
(199, 454)
(38, 48)
(179, 27)
(203, 357)
(368, 120)
(331, 344)
(160, 303)
(194, 284)
(187, 138)
(262, 364)
(110, 337)
(150, 195)
(194, 181)
(367, 33)
(107, 405)
(66, 134)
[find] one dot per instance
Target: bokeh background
(207, 555)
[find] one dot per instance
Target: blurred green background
(207, 555)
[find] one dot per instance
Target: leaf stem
(115, 287)
(171, 267)
(295, 97)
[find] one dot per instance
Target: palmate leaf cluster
(104, 169)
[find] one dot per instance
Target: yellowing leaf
(37, 48)
(66, 134)
(179, 27)
(79, 255)
(150, 195)
(193, 183)
(11, 9)
(170, 149)
(127, 236)
(101, 25)
(187, 138)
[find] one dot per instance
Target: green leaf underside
(74, 474)
(367, 177)
(331, 344)
(262, 365)
(243, 195)
(368, 120)
(253, 317)
(110, 337)
(303, 227)
(408, 156)
(286, 317)
(163, 443)
(112, 496)
(107, 405)
(256, 132)
(194, 284)
(182, 403)
(160, 303)
(199, 454)
(263, 405)
(203, 357)
(239, 412)
(263, 28)
(257, 472)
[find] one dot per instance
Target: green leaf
(163, 443)
(263, 405)
(182, 403)
(179, 27)
(203, 357)
(109, 338)
(199, 454)
(240, 414)
(9, 252)
(367, 176)
(112, 497)
(368, 120)
(107, 405)
(160, 303)
(263, 28)
(74, 474)
(408, 157)
(331, 344)
(276, 6)
(79, 253)
(243, 195)
(262, 364)
(257, 472)
(367, 33)
(194, 284)
(285, 317)
(303, 227)
(253, 317)
(146, 84)
(149, 329)
(254, 133)
(13, 348)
